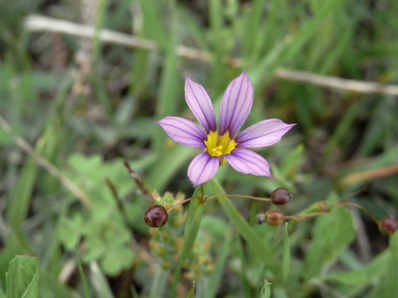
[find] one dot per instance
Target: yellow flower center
(219, 145)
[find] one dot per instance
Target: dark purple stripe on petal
(183, 131)
(236, 105)
(202, 168)
(263, 133)
(248, 162)
(200, 104)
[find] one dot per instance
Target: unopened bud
(388, 225)
(280, 196)
(156, 216)
(274, 217)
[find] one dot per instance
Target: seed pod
(156, 216)
(280, 196)
(274, 217)
(260, 218)
(388, 225)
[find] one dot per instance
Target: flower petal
(236, 105)
(202, 168)
(183, 131)
(248, 162)
(263, 133)
(200, 104)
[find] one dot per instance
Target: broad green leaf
(95, 248)
(23, 277)
(69, 230)
(117, 259)
(364, 275)
(388, 286)
(333, 232)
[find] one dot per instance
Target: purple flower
(223, 145)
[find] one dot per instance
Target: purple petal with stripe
(248, 162)
(202, 168)
(236, 105)
(263, 133)
(183, 131)
(200, 104)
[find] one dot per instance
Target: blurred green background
(86, 104)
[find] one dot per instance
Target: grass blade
(263, 251)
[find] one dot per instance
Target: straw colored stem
(37, 23)
(357, 206)
(65, 181)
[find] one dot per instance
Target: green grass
(85, 123)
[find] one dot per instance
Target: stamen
(219, 145)
(217, 151)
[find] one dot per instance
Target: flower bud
(156, 216)
(280, 196)
(388, 225)
(274, 217)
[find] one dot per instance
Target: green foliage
(332, 233)
(388, 279)
(85, 108)
(23, 277)
(266, 290)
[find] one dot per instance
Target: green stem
(159, 282)
(192, 224)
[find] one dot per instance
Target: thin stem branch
(303, 216)
(240, 196)
(219, 196)
(137, 179)
(181, 203)
(37, 23)
(65, 181)
(119, 202)
(356, 206)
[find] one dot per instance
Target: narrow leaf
(192, 224)
(286, 253)
(263, 251)
(191, 291)
(266, 290)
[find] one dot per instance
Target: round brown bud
(260, 218)
(280, 196)
(388, 225)
(156, 216)
(274, 217)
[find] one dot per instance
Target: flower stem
(240, 196)
(204, 199)
(356, 206)
(192, 224)
(303, 216)
(159, 282)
